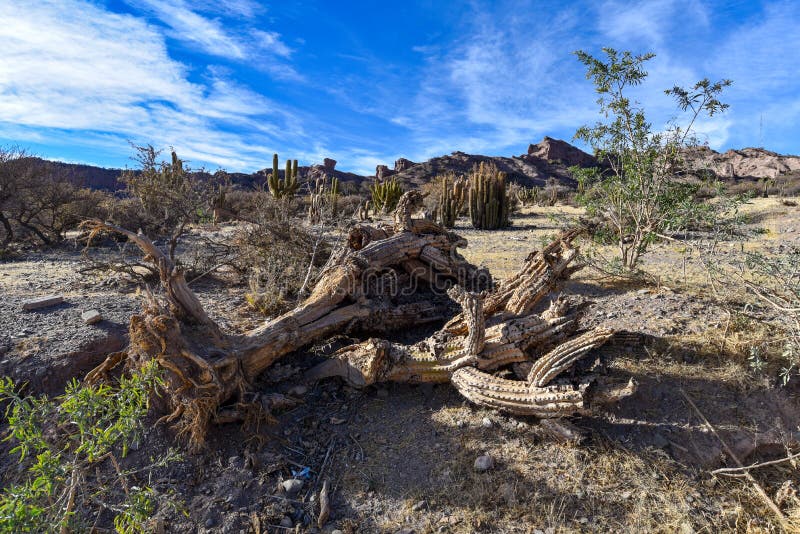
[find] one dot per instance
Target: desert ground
(400, 458)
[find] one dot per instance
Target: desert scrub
(636, 192)
(278, 260)
(68, 449)
(774, 279)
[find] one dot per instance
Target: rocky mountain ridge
(546, 160)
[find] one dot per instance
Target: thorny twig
(761, 493)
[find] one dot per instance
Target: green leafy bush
(68, 448)
(637, 192)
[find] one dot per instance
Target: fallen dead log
(383, 278)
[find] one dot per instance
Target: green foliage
(637, 194)
(287, 187)
(775, 281)
(488, 200)
(452, 199)
(68, 448)
(385, 195)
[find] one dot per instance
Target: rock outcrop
(556, 150)
(402, 164)
(753, 163)
(383, 171)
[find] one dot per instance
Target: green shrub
(68, 448)
(637, 193)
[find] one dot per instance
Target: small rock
(484, 463)
(210, 522)
(337, 531)
(486, 423)
(287, 522)
(292, 486)
(298, 390)
(91, 317)
(643, 291)
(42, 302)
(419, 506)
(583, 520)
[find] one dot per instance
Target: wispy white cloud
(650, 21)
(760, 55)
(70, 67)
(205, 25)
(507, 82)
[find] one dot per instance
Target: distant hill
(550, 158)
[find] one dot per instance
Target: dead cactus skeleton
(383, 278)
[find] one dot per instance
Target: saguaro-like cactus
(385, 195)
(452, 199)
(286, 187)
(488, 201)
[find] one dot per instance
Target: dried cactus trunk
(206, 368)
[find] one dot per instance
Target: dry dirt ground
(400, 458)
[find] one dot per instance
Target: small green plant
(287, 187)
(385, 195)
(488, 200)
(69, 447)
(637, 193)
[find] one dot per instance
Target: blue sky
(229, 82)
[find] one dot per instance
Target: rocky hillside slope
(551, 158)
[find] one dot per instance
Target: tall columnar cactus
(385, 195)
(363, 211)
(333, 196)
(529, 196)
(451, 199)
(488, 201)
(287, 187)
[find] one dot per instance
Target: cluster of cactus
(529, 196)
(287, 187)
(385, 195)
(488, 200)
(321, 197)
(452, 199)
(551, 189)
(363, 211)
